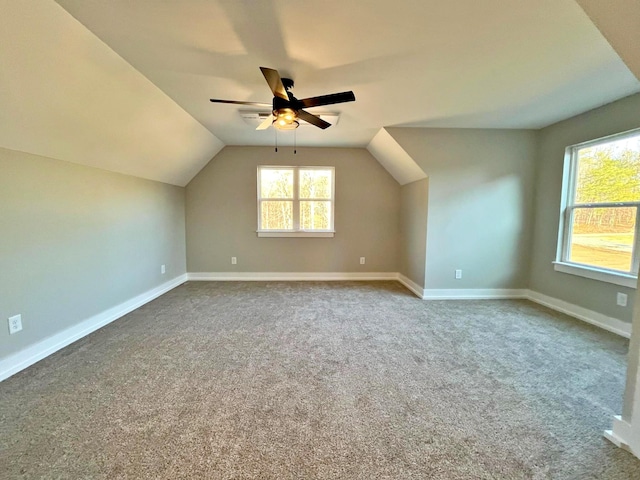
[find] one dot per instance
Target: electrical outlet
(15, 324)
(163, 269)
(362, 260)
(458, 274)
(234, 261)
(621, 299)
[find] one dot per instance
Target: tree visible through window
(601, 216)
(295, 200)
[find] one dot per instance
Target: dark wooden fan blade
(313, 119)
(275, 82)
(257, 104)
(328, 99)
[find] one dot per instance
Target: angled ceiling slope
(66, 95)
(394, 158)
(619, 22)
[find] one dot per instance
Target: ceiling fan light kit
(256, 117)
(287, 111)
(285, 119)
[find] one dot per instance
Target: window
(295, 201)
(599, 224)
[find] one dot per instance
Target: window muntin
(600, 221)
(295, 201)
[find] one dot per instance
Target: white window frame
(562, 262)
(296, 231)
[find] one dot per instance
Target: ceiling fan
(287, 110)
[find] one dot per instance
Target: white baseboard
(473, 293)
(289, 276)
(30, 355)
(411, 285)
(304, 276)
(594, 318)
(452, 294)
(620, 433)
(598, 319)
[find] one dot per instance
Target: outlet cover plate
(15, 324)
(621, 299)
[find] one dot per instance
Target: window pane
(603, 237)
(276, 183)
(315, 184)
(315, 215)
(609, 172)
(277, 215)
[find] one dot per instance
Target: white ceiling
(125, 85)
(488, 64)
(619, 22)
(66, 95)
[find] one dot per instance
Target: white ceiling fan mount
(255, 118)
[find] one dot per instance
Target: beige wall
(414, 203)
(480, 204)
(222, 215)
(598, 296)
(77, 241)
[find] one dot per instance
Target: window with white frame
(295, 201)
(600, 218)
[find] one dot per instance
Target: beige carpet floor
(337, 380)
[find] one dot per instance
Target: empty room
(335, 239)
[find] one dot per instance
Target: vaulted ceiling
(125, 85)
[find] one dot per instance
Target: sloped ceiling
(619, 22)
(64, 94)
(124, 85)
(394, 158)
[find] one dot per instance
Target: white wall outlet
(15, 324)
(458, 274)
(163, 269)
(621, 299)
(234, 261)
(362, 260)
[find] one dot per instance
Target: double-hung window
(601, 210)
(295, 201)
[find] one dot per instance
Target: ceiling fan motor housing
(280, 103)
(287, 83)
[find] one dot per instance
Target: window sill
(622, 279)
(296, 234)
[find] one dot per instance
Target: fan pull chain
(295, 136)
(276, 130)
